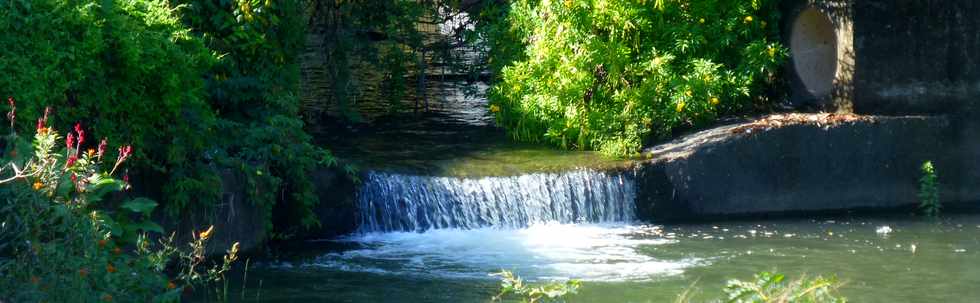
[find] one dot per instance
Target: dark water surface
(919, 260)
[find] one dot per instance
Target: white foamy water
(549, 251)
(394, 202)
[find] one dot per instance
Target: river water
(437, 239)
(633, 262)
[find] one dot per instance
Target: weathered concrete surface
(916, 56)
(808, 165)
(893, 57)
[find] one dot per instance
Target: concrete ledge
(807, 163)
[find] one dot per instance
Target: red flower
(44, 119)
(70, 140)
(10, 100)
(81, 133)
(102, 146)
(74, 178)
(71, 161)
(124, 153)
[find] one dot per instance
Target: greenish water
(636, 262)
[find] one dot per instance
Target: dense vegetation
(253, 88)
(191, 101)
(608, 75)
(63, 240)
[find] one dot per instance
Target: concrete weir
(806, 163)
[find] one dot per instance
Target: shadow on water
(455, 136)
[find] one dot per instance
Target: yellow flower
(38, 185)
(680, 106)
(701, 20)
(207, 233)
(90, 152)
(714, 101)
(171, 285)
(772, 51)
(688, 93)
(494, 108)
(748, 19)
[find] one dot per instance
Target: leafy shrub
(765, 288)
(609, 74)
(223, 94)
(255, 87)
(929, 191)
(513, 286)
(129, 67)
(61, 240)
(773, 288)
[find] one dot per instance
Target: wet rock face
(804, 167)
(336, 211)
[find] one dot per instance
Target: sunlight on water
(395, 202)
(591, 252)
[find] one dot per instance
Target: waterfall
(396, 202)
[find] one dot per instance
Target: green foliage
(129, 67)
(772, 288)
(513, 286)
(609, 74)
(764, 288)
(929, 191)
(62, 241)
(254, 87)
(222, 94)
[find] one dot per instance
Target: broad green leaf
(140, 205)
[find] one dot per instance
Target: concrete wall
(896, 56)
(819, 165)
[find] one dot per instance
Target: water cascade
(394, 202)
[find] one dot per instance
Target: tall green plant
(608, 75)
(929, 191)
